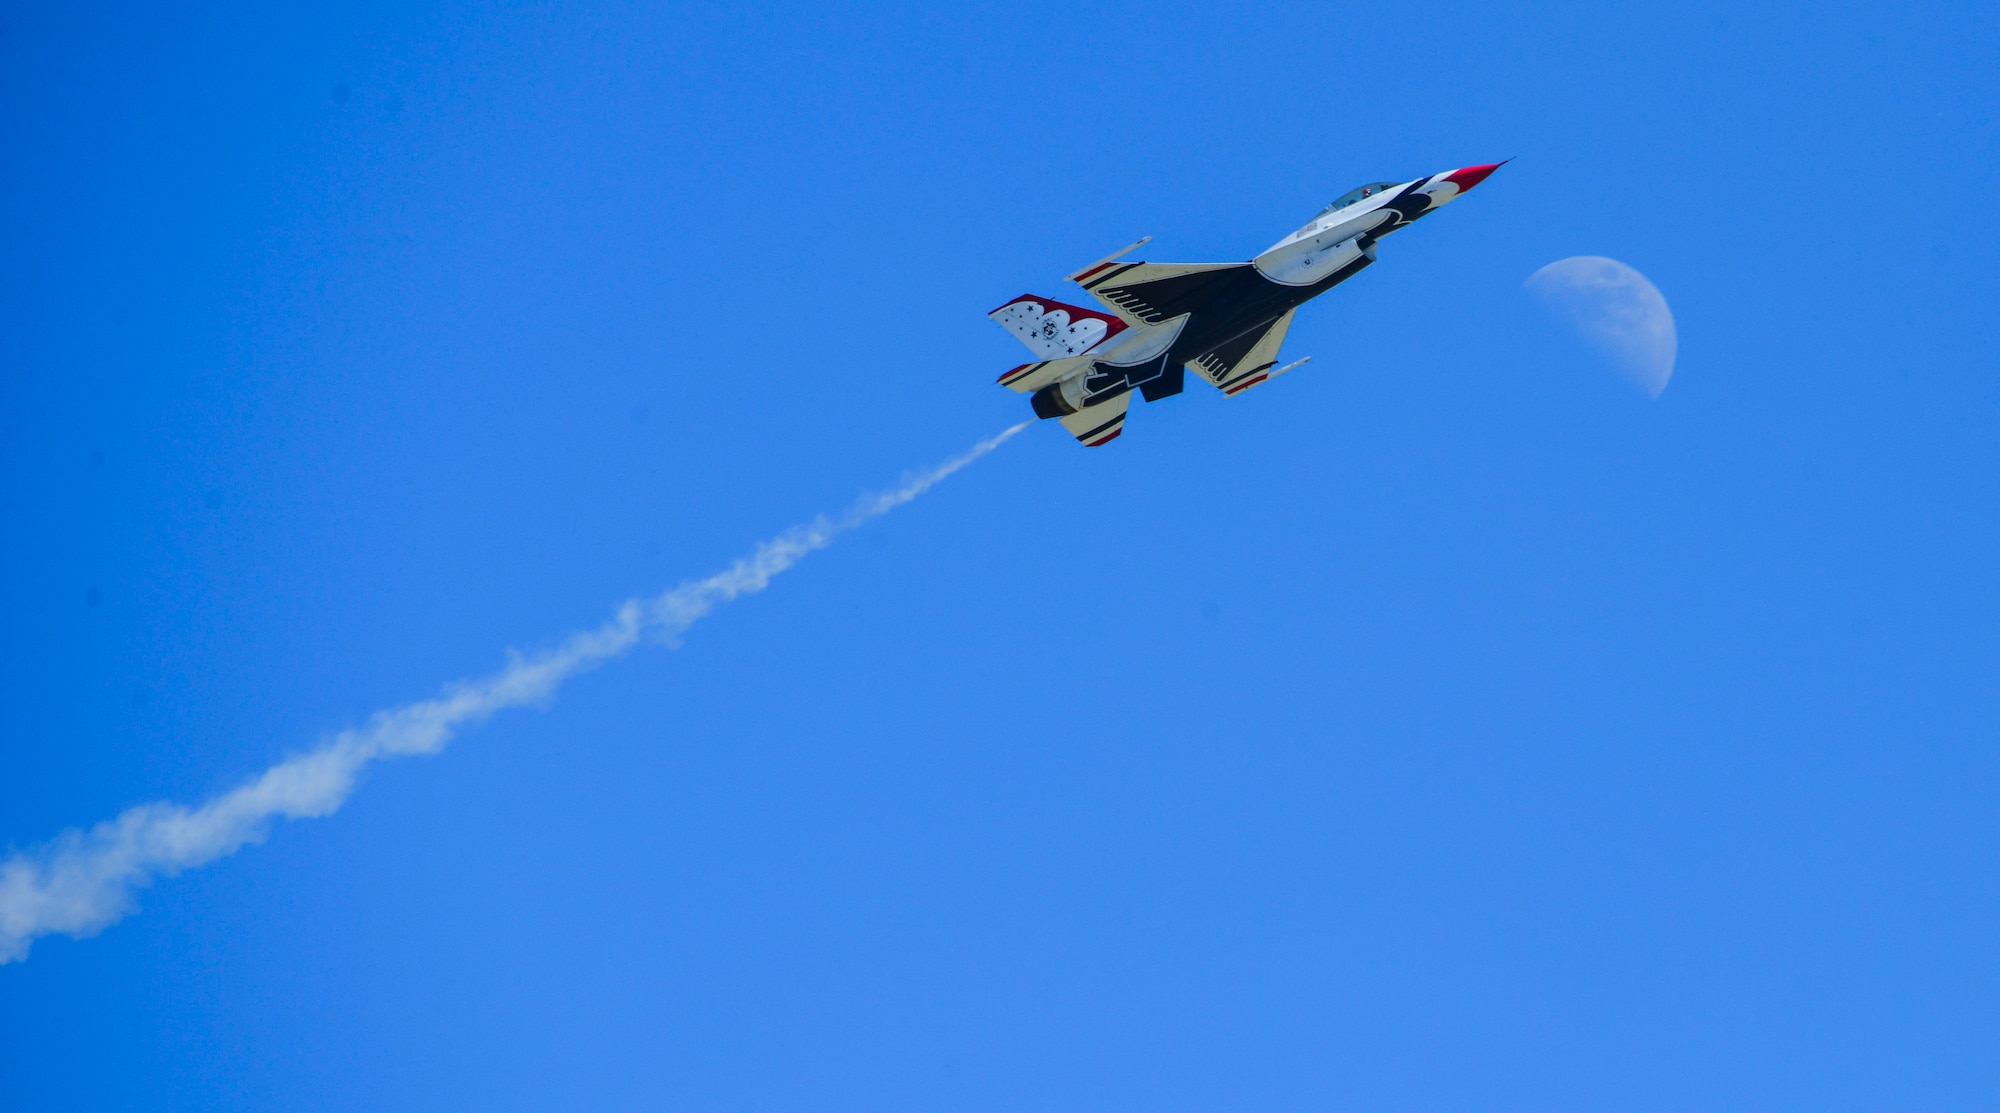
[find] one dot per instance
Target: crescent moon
(1617, 311)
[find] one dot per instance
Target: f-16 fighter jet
(1225, 320)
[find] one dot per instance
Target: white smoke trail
(83, 881)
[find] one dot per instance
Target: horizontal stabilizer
(1100, 424)
(1031, 377)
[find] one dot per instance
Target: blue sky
(1443, 726)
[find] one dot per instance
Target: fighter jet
(1225, 320)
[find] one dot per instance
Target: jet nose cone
(1467, 177)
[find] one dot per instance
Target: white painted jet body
(1225, 320)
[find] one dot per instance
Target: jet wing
(1242, 363)
(1148, 293)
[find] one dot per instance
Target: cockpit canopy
(1372, 189)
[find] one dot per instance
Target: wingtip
(1078, 276)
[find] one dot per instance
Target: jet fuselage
(1211, 308)
(1225, 320)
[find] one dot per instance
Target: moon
(1617, 311)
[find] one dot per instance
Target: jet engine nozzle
(1059, 399)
